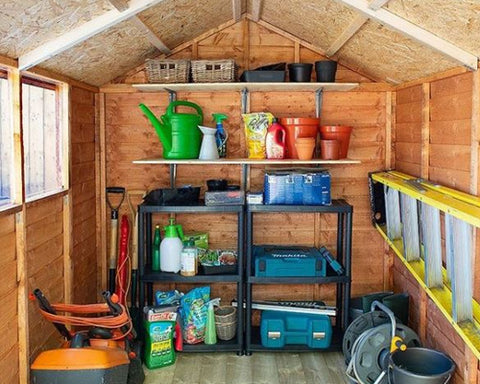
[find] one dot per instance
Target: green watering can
(178, 132)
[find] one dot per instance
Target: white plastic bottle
(171, 248)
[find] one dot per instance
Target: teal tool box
(288, 261)
(278, 329)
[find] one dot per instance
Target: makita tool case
(278, 329)
(288, 261)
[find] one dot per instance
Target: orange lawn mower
(104, 351)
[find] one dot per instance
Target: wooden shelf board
(230, 87)
(245, 161)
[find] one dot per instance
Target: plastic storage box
(291, 261)
(297, 188)
(278, 329)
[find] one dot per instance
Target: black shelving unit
(147, 277)
(344, 213)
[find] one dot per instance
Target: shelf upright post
(318, 102)
(173, 175)
(248, 272)
(348, 267)
(172, 95)
(240, 272)
(245, 101)
(141, 266)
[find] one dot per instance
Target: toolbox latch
(318, 335)
(274, 335)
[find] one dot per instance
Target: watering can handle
(173, 104)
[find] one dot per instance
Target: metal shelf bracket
(318, 102)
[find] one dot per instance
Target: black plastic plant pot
(326, 70)
(300, 72)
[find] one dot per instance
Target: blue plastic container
(278, 328)
(288, 261)
(297, 187)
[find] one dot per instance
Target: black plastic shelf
(256, 345)
(337, 206)
(200, 208)
(298, 280)
(154, 276)
(221, 346)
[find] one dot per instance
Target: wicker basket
(226, 322)
(213, 71)
(167, 71)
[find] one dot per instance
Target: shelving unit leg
(148, 256)
(240, 263)
(141, 270)
(348, 267)
(248, 288)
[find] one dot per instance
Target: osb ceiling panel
(105, 56)
(178, 21)
(318, 22)
(388, 55)
(26, 24)
(456, 21)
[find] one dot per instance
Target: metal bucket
(419, 366)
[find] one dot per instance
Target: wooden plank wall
(251, 45)
(9, 362)
(435, 138)
(45, 257)
(130, 136)
(84, 201)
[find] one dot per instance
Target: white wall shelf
(252, 87)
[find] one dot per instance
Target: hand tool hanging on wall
(123, 265)
(112, 260)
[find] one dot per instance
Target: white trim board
(82, 33)
(414, 32)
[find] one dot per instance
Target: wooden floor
(259, 368)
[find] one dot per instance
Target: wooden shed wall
(44, 243)
(436, 134)
(9, 351)
(130, 136)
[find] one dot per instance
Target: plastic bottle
(210, 331)
(220, 136)
(171, 248)
(188, 258)
(275, 140)
(156, 249)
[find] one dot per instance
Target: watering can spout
(163, 132)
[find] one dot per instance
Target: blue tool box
(278, 329)
(297, 187)
(288, 261)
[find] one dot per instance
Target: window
(6, 142)
(43, 138)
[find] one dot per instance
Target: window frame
(11, 74)
(62, 123)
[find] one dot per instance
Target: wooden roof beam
(237, 9)
(82, 33)
(256, 10)
(414, 32)
(375, 5)
(122, 5)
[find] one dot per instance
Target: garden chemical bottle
(188, 258)
(156, 249)
(275, 140)
(210, 331)
(221, 135)
(171, 247)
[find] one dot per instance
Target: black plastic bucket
(300, 72)
(326, 70)
(419, 366)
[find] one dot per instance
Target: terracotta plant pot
(305, 147)
(329, 149)
(298, 127)
(340, 133)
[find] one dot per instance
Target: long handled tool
(123, 267)
(112, 260)
(134, 255)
